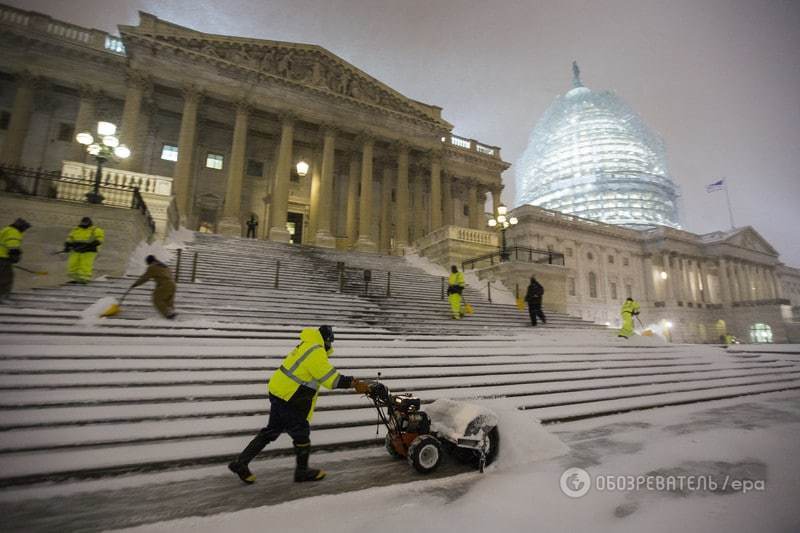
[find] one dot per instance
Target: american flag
(716, 186)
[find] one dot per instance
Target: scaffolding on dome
(592, 156)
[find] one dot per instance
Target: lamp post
(502, 222)
(102, 151)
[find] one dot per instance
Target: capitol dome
(592, 156)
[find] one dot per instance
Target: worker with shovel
(10, 253)
(82, 244)
(630, 309)
(455, 286)
(164, 293)
(293, 390)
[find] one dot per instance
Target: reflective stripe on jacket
(86, 235)
(307, 366)
(10, 239)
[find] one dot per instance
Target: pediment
(749, 239)
(306, 65)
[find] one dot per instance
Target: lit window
(169, 152)
(214, 161)
(760, 333)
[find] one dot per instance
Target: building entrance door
(294, 225)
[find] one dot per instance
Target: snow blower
(467, 431)
(114, 308)
(647, 332)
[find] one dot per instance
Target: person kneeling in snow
(629, 309)
(293, 390)
(164, 293)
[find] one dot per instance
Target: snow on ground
(91, 315)
(749, 445)
(177, 239)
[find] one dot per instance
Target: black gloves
(14, 255)
(67, 246)
(81, 247)
(92, 246)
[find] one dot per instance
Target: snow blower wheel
(425, 453)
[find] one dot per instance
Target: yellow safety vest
(10, 239)
(307, 364)
(86, 235)
(456, 278)
(630, 307)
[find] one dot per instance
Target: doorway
(294, 225)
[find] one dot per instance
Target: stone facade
(384, 170)
(704, 285)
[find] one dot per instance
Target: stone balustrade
(147, 183)
(472, 145)
(458, 233)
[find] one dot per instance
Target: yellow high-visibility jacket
(80, 235)
(10, 239)
(307, 366)
(456, 279)
(631, 307)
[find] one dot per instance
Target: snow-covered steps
(92, 405)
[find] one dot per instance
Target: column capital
(138, 78)
(287, 117)
(32, 80)
(88, 91)
(192, 92)
(402, 146)
(329, 129)
(243, 106)
(364, 137)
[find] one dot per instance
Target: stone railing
(458, 233)
(147, 183)
(32, 22)
(472, 145)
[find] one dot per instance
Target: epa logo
(575, 482)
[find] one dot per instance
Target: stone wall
(52, 220)
(516, 275)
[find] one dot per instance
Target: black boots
(241, 470)
(302, 472)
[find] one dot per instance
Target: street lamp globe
(93, 149)
(106, 128)
(110, 141)
(502, 210)
(492, 223)
(513, 221)
(302, 168)
(122, 151)
(84, 138)
(501, 219)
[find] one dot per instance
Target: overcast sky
(718, 79)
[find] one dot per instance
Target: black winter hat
(327, 334)
(86, 221)
(150, 259)
(21, 224)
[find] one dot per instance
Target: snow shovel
(34, 272)
(114, 308)
(647, 332)
(520, 304)
(468, 309)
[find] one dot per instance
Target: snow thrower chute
(467, 431)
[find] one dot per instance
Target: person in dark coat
(534, 299)
(252, 224)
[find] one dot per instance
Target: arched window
(592, 285)
(760, 333)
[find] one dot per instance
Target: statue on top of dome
(576, 75)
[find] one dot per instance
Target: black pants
(6, 278)
(535, 310)
(251, 233)
(282, 417)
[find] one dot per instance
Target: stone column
(496, 199)
(231, 223)
(447, 199)
(725, 288)
(386, 209)
(744, 288)
(324, 236)
(84, 121)
(472, 203)
(670, 282)
(436, 192)
(21, 112)
(705, 292)
(365, 243)
(315, 167)
(280, 191)
(352, 199)
(776, 283)
(401, 224)
(182, 175)
(649, 288)
(419, 205)
(138, 84)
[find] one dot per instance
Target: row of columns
(689, 280)
(133, 122)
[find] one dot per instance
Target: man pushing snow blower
(293, 390)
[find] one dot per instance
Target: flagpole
(728, 198)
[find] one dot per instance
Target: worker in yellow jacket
(455, 286)
(10, 253)
(629, 309)
(293, 390)
(82, 244)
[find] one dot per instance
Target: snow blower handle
(639, 319)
